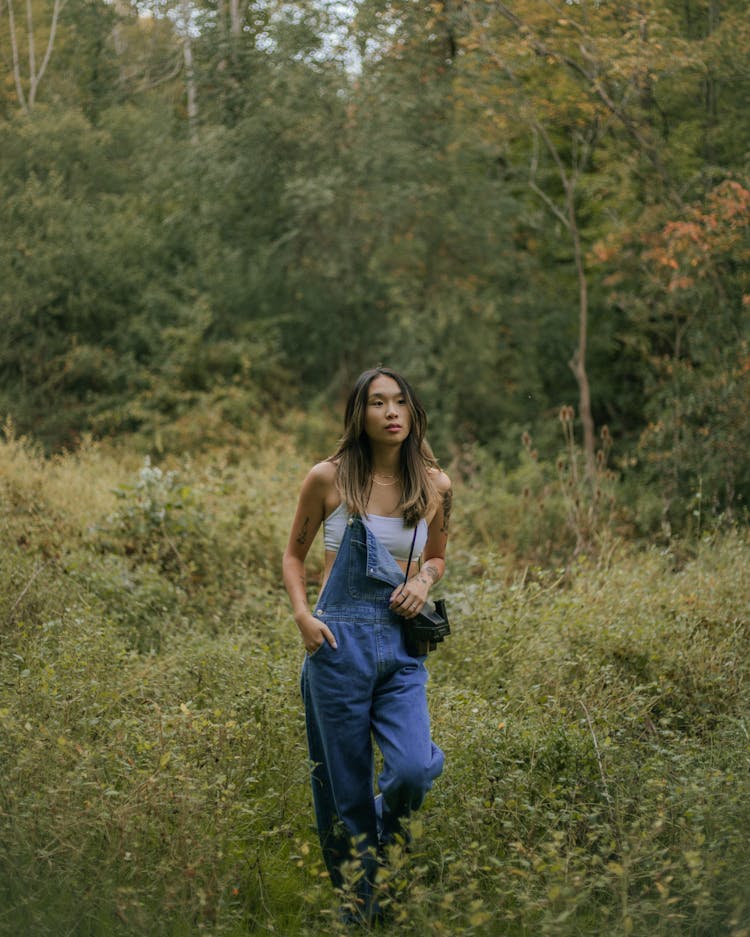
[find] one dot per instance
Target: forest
(214, 214)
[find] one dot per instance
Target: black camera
(423, 633)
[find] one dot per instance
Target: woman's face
(387, 415)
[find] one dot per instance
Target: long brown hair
(354, 456)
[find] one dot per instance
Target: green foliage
(154, 776)
(696, 443)
(688, 340)
(160, 521)
(543, 513)
(356, 188)
(97, 307)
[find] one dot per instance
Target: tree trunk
(569, 219)
(192, 97)
(235, 22)
(35, 74)
(16, 64)
(578, 361)
(32, 51)
(118, 40)
(190, 89)
(712, 86)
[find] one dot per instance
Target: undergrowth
(153, 775)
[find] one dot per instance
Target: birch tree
(28, 69)
(190, 85)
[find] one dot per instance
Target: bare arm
(307, 521)
(437, 538)
(412, 596)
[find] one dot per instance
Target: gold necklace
(385, 484)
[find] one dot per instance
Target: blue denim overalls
(367, 687)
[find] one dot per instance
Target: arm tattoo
(302, 535)
(428, 571)
(447, 505)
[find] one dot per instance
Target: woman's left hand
(408, 599)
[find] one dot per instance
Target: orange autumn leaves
(689, 249)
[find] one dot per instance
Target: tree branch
(32, 52)
(146, 82)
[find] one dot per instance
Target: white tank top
(395, 536)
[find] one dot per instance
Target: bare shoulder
(322, 477)
(324, 472)
(440, 480)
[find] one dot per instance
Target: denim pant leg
(411, 760)
(334, 839)
(337, 695)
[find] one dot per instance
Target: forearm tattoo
(447, 506)
(428, 575)
(302, 535)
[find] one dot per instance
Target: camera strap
(411, 553)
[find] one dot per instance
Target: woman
(379, 494)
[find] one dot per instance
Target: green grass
(153, 774)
